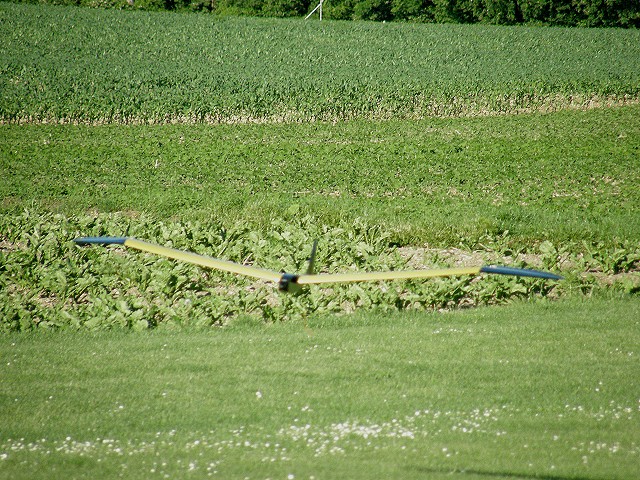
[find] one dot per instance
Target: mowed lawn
(529, 390)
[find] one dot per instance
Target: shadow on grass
(490, 474)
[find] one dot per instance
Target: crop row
(562, 177)
(46, 281)
(64, 64)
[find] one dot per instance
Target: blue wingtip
(521, 272)
(100, 240)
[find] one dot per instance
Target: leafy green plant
(125, 71)
(48, 282)
(590, 13)
(611, 260)
(559, 177)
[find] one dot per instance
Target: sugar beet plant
(46, 281)
(64, 64)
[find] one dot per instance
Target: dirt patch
(419, 258)
(7, 246)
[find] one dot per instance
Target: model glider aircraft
(292, 282)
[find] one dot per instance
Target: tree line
(581, 13)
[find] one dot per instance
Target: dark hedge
(581, 13)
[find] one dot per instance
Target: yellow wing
(391, 275)
(291, 282)
(202, 260)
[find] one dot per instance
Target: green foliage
(411, 10)
(48, 282)
(377, 10)
(560, 177)
(285, 8)
(584, 13)
(148, 5)
(261, 193)
(137, 67)
(266, 8)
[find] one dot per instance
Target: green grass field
(96, 66)
(540, 390)
(190, 132)
(561, 177)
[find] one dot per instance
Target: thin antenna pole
(318, 7)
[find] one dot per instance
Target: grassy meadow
(542, 390)
(396, 146)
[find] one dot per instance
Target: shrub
(584, 13)
(377, 10)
